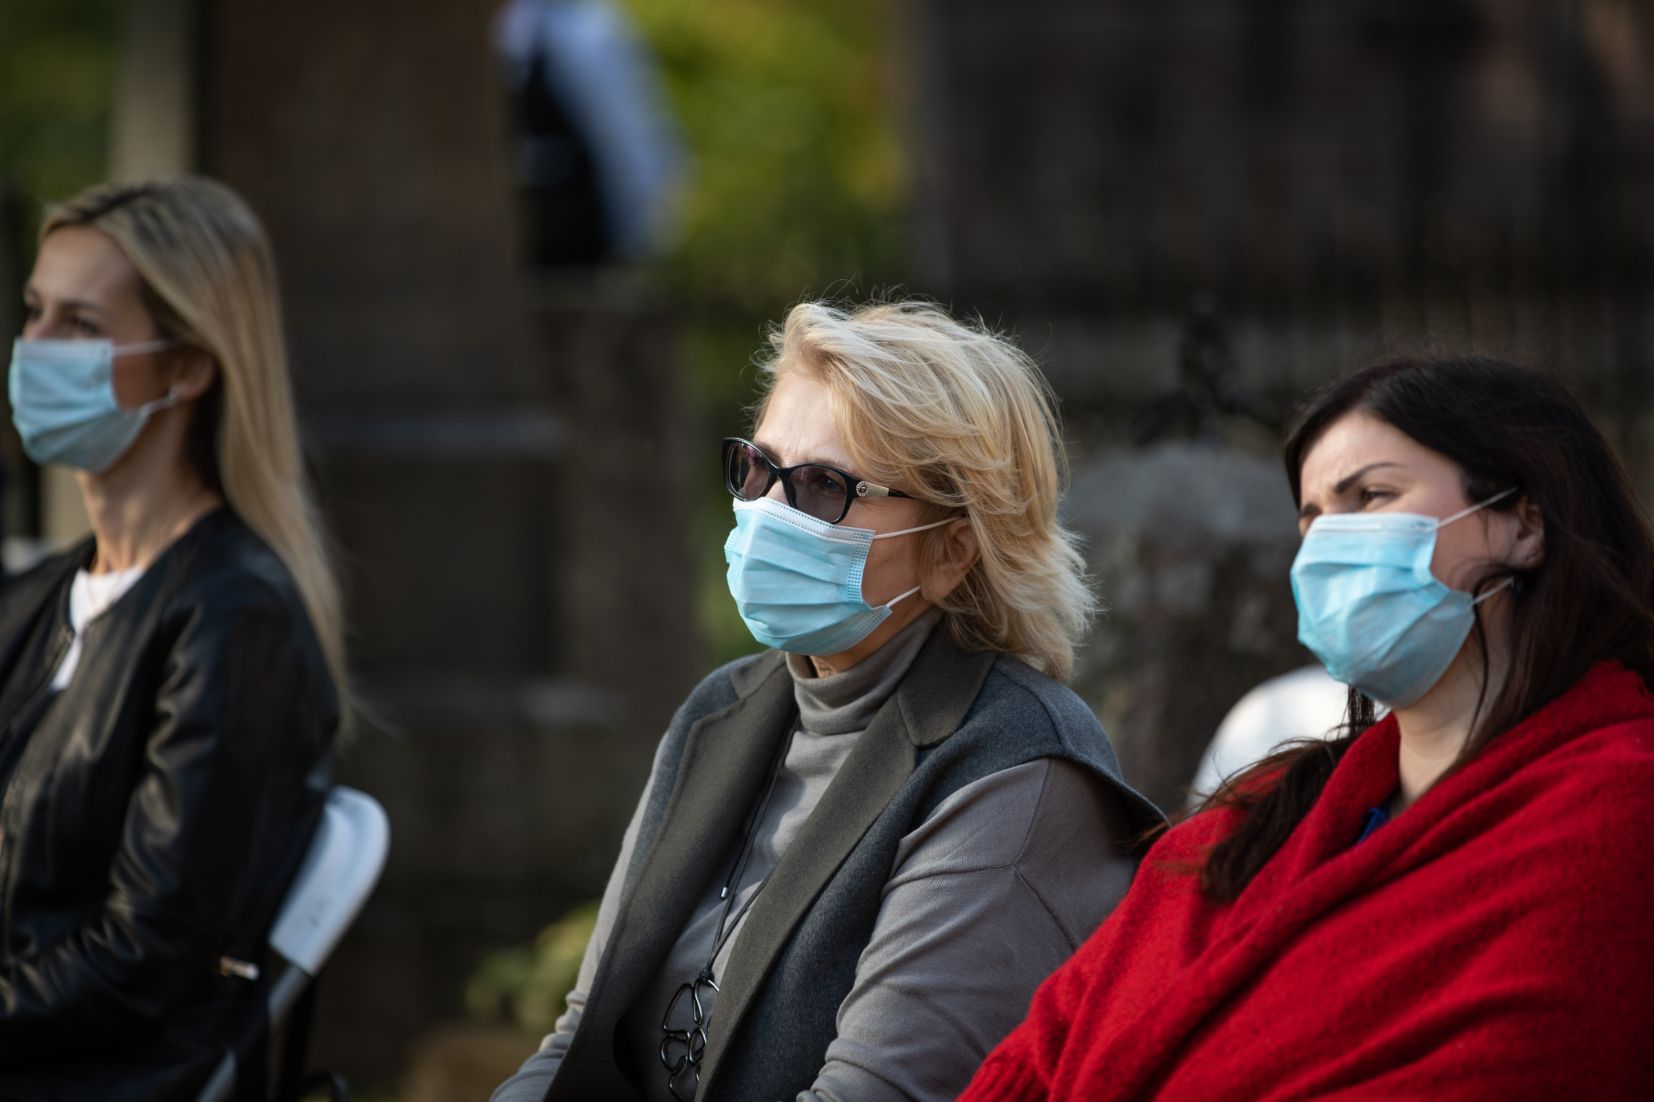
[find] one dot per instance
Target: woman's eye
(822, 483)
(86, 327)
(31, 312)
(1369, 496)
(814, 485)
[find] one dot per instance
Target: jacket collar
(929, 705)
(933, 698)
(725, 760)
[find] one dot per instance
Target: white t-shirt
(90, 596)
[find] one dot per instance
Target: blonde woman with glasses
(170, 687)
(862, 849)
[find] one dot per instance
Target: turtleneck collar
(843, 702)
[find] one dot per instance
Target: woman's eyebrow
(31, 293)
(819, 460)
(1349, 480)
(1343, 485)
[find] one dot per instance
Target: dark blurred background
(530, 250)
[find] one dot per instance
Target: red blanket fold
(1495, 940)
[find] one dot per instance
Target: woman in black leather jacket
(170, 687)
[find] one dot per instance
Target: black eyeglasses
(821, 491)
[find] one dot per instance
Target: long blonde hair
(960, 418)
(209, 280)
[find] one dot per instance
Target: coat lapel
(726, 758)
(926, 708)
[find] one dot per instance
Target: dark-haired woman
(1451, 902)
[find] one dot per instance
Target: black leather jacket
(155, 812)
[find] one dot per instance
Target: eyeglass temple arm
(865, 488)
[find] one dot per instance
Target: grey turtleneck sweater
(1017, 868)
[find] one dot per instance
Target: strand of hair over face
(963, 419)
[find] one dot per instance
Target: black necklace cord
(682, 1050)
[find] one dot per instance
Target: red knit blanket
(1494, 941)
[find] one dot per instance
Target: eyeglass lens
(819, 491)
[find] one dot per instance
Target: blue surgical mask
(797, 580)
(63, 402)
(1371, 610)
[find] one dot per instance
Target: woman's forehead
(82, 264)
(1353, 442)
(798, 425)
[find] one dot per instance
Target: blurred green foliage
(525, 985)
(799, 179)
(798, 188)
(57, 78)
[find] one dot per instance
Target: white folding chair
(1306, 703)
(346, 855)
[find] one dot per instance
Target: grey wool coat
(957, 717)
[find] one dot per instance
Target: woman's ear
(193, 374)
(951, 560)
(1528, 550)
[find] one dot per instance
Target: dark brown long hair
(1591, 598)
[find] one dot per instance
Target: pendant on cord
(681, 1050)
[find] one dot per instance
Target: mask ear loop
(904, 532)
(1462, 513)
(910, 531)
(901, 597)
(138, 348)
(160, 344)
(1508, 583)
(165, 401)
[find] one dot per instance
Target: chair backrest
(345, 859)
(1306, 703)
(346, 856)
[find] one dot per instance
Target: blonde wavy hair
(961, 418)
(209, 280)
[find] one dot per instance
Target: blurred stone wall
(1195, 211)
(502, 460)
(1191, 542)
